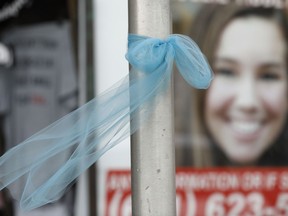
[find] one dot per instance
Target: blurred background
(55, 55)
(46, 71)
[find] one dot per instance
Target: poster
(231, 139)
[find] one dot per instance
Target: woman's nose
(246, 97)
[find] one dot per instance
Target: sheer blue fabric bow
(44, 165)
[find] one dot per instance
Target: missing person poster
(231, 139)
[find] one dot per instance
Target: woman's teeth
(246, 127)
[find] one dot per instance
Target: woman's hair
(206, 32)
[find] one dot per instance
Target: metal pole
(82, 51)
(82, 186)
(152, 148)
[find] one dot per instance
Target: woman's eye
(225, 72)
(269, 76)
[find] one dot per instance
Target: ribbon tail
(39, 170)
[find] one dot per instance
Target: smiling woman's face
(246, 104)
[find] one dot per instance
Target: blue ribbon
(44, 165)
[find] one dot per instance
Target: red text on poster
(212, 192)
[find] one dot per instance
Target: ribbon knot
(148, 54)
